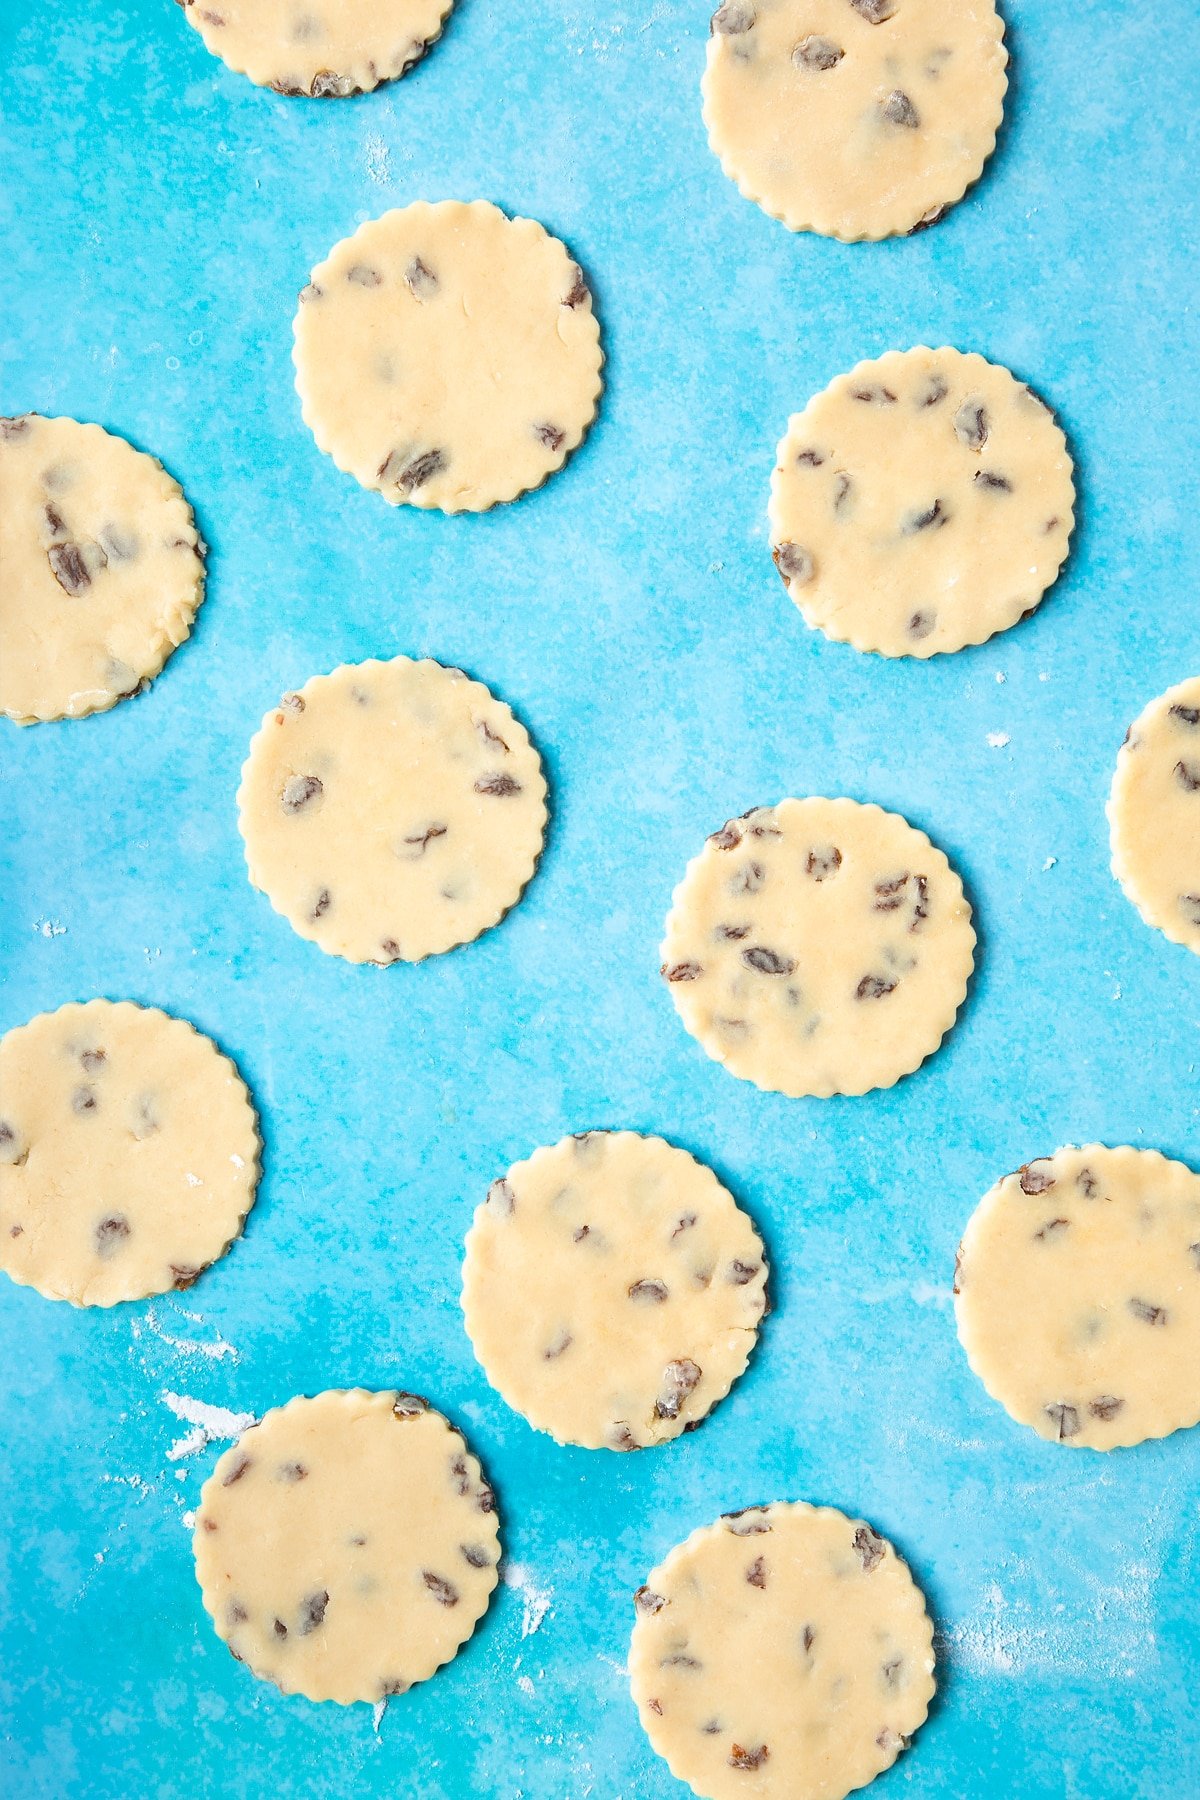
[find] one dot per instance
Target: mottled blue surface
(160, 214)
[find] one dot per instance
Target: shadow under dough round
(921, 503)
(323, 49)
(128, 1153)
(612, 1290)
(819, 947)
(785, 1642)
(102, 569)
(346, 1546)
(448, 356)
(1078, 1295)
(854, 118)
(392, 810)
(1154, 814)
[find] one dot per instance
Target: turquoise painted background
(159, 216)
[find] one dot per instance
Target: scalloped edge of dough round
(869, 1087)
(1120, 1153)
(572, 440)
(1124, 874)
(83, 706)
(251, 1151)
(298, 924)
(474, 1294)
(637, 1667)
(420, 52)
(1021, 607)
(904, 225)
(211, 1485)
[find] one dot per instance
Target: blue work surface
(160, 215)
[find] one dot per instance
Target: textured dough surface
(448, 356)
(128, 1153)
(346, 1546)
(1154, 814)
(323, 48)
(1078, 1295)
(392, 810)
(854, 118)
(612, 1289)
(819, 947)
(100, 568)
(922, 502)
(784, 1651)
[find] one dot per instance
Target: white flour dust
(535, 1598)
(998, 740)
(208, 1423)
(213, 1349)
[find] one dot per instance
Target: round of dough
(612, 1290)
(128, 1153)
(346, 1546)
(392, 810)
(784, 1651)
(854, 118)
(819, 947)
(322, 48)
(101, 568)
(1078, 1295)
(920, 503)
(1154, 814)
(448, 356)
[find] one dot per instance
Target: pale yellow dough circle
(920, 503)
(612, 1289)
(128, 1153)
(322, 48)
(1154, 814)
(1078, 1295)
(819, 947)
(784, 1651)
(346, 1546)
(448, 356)
(392, 810)
(854, 118)
(100, 568)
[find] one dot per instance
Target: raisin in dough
(819, 947)
(920, 503)
(392, 810)
(784, 1651)
(322, 48)
(346, 1546)
(612, 1290)
(128, 1153)
(1154, 814)
(100, 568)
(448, 356)
(854, 118)
(1078, 1295)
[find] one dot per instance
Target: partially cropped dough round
(100, 568)
(1078, 1295)
(128, 1153)
(322, 48)
(346, 1546)
(1154, 814)
(854, 118)
(784, 1652)
(392, 810)
(612, 1289)
(448, 356)
(921, 503)
(819, 947)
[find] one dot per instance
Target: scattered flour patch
(998, 740)
(1000, 675)
(1050, 863)
(526, 1685)
(188, 1521)
(535, 1598)
(49, 928)
(377, 1712)
(214, 1349)
(378, 159)
(208, 1423)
